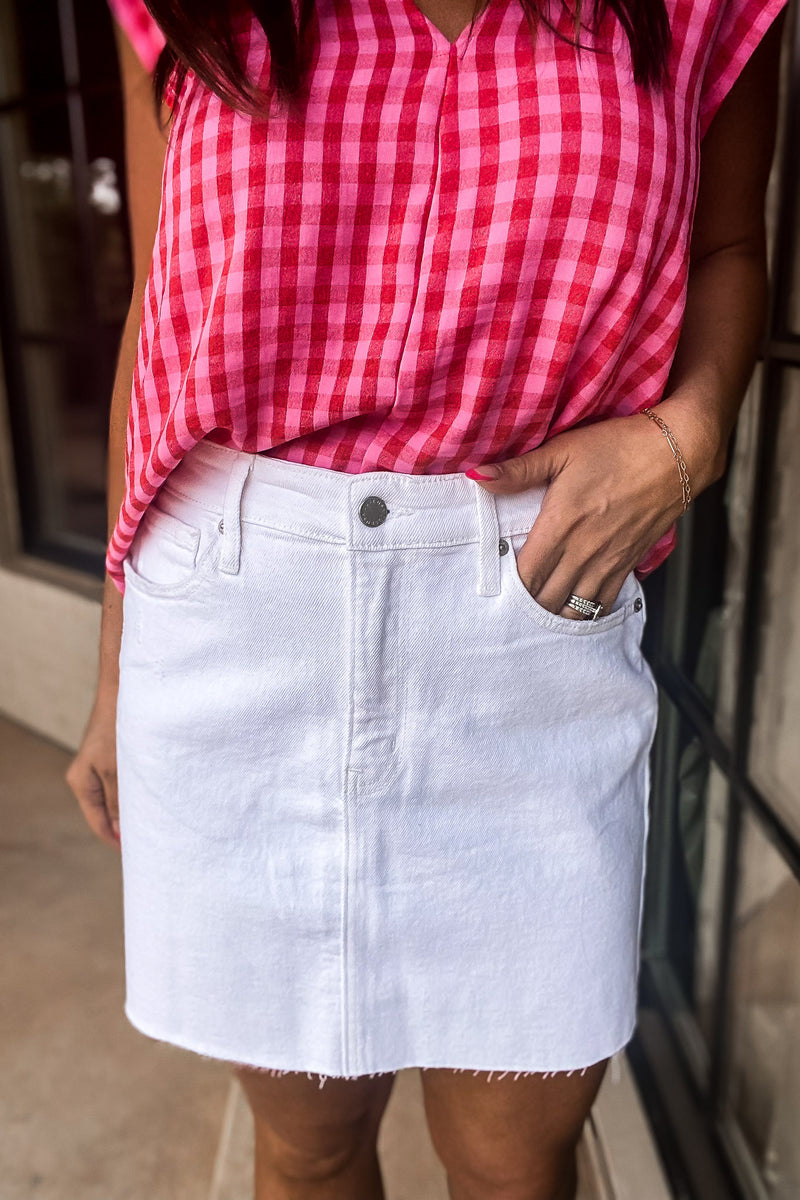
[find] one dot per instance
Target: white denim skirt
(378, 807)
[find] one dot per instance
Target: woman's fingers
(605, 593)
(560, 586)
(566, 579)
(92, 774)
(108, 777)
(87, 786)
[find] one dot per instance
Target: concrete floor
(91, 1109)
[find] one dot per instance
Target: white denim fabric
(379, 808)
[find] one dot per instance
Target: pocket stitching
(553, 621)
(173, 527)
(149, 589)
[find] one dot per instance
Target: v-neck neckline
(443, 43)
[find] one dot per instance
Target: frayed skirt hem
(215, 1056)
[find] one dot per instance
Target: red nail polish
(474, 473)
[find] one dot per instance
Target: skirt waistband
(371, 510)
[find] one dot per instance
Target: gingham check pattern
(451, 254)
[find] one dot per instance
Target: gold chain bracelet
(673, 445)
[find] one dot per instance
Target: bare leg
(506, 1138)
(312, 1142)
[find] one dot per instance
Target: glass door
(65, 268)
(717, 1050)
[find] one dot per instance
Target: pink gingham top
(453, 253)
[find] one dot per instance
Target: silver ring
(587, 608)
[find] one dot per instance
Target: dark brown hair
(200, 37)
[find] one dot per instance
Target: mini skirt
(378, 807)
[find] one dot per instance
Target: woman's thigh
(313, 1120)
(504, 1134)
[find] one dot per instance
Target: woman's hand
(92, 774)
(613, 489)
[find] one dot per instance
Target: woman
(379, 721)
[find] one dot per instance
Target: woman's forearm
(120, 404)
(111, 623)
(145, 150)
(717, 351)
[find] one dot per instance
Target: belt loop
(488, 543)
(232, 515)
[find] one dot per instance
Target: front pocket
(168, 551)
(629, 601)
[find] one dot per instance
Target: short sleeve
(140, 28)
(742, 25)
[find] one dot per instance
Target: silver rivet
(221, 527)
(637, 604)
(502, 546)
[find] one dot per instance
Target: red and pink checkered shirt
(451, 254)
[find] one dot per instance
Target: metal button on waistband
(373, 511)
(502, 546)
